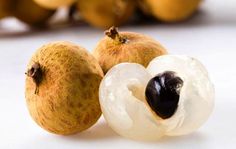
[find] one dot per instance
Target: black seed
(162, 93)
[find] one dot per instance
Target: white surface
(209, 36)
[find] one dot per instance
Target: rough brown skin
(5, 8)
(106, 13)
(54, 4)
(170, 10)
(121, 47)
(32, 14)
(63, 97)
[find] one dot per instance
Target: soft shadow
(101, 131)
(34, 31)
(194, 137)
(197, 139)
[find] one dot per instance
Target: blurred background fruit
(30, 13)
(100, 14)
(54, 4)
(169, 10)
(106, 13)
(5, 8)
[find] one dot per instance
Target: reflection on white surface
(209, 36)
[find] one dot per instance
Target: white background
(210, 36)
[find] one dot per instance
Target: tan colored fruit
(106, 13)
(121, 47)
(54, 4)
(170, 10)
(5, 8)
(29, 12)
(62, 88)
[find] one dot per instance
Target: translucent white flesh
(197, 95)
(123, 103)
(125, 113)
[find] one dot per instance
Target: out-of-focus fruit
(170, 10)
(5, 8)
(106, 13)
(54, 4)
(29, 12)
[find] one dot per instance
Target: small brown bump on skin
(71, 104)
(78, 117)
(86, 76)
(42, 122)
(51, 106)
(65, 122)
(86, 119)
(45, 115)
(80, 105)
(83, 82)
(69, 112)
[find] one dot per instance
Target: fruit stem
(114, 34)
(35, 72)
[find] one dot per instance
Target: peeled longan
(61, 88)
(170, 10)
(5, 8)
(106, 13)
(173, 96)
(122, 47)
(29, 12)
(54, 4)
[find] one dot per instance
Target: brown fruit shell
(106, 13)
(66, 101)
(5, 8)
(138, 48)
(170, 10)
(30, 13)
(54, 4)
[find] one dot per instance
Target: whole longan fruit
(30, 13)
(118, 47)
(61, 88)
(5, 8)
(54, 4)
(106, 13)
(170, 10)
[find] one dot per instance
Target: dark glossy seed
(163, 92)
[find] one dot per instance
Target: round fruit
(5, 8)
(173, 96)
(29, 12)
(121, 47)
(62, 88)
(170, 10)
(106, 13)
(54, 4)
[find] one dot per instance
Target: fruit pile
(99, 13)
(143, 92)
